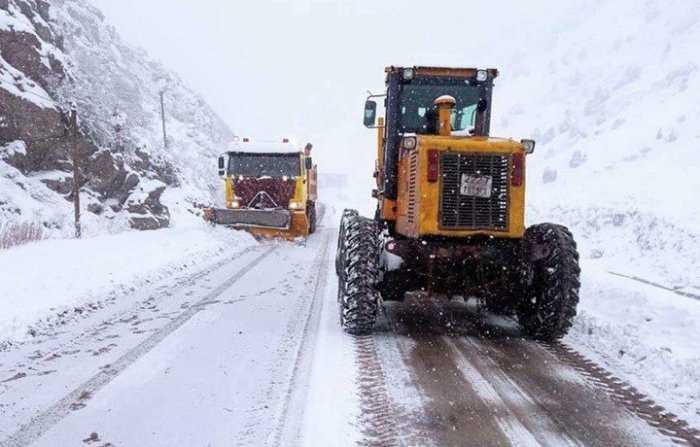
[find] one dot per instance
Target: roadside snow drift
(44, 279)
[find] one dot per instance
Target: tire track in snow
(553, 398)
(507, 401)
(377, 420)
(656, 416)
(276, 421)
(56, 323)
(44, 421)
(407, 403)
(521, 420)
(287, 428)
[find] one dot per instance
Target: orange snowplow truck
(270, 189)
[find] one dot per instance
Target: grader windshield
(418, 114)
(410, 96)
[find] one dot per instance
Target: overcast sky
(302, 68)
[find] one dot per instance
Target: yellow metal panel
(389, 209)
(312, 184)
(228, 188)
(428, 206)
(299, 228)
(380, 150)
(300, 191)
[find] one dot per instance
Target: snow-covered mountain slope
(611, 91)
(62, 52)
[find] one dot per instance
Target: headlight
(482, 75)
(296, 206)
(408, 74)
(409, 143)
(235, 204)
(528, 145)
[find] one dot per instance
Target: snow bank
(43, 279)
(644, 334)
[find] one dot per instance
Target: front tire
(552, 282)
(341, 251)
(357, 288)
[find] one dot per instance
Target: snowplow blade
(262, 223)
(257, 218)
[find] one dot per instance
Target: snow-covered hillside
(62, 52)
(611, 92)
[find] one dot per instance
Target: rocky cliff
(59, 54)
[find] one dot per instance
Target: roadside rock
(146, 211)
(61, 186)
(106, 172)
(96, 208)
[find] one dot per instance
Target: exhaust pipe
(445, 103)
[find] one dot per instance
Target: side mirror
(309, 163)
(370, 113)
(528, 145)
(222, 166)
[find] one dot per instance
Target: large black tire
(311, 213)
(552, 282)
(341, 252)
(357, 288)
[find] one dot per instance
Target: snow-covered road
(249, 352)
(219, 360)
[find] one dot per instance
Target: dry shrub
(12, 235)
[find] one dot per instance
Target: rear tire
(357, 285)
(552, 282)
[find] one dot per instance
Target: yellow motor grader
(270, 189)
(450, 216)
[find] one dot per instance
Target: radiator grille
(412, 185)
(462, 212)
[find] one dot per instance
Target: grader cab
(450, 216)
(270, 189)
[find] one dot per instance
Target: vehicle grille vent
(464, 212)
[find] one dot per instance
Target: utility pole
(76, 168)
(162, 114)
